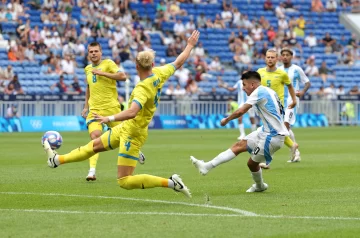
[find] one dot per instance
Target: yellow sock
(79, 154)
(288, 142)
(142, 181)
(93, 160)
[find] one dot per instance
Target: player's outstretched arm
(122, 116)
(119, 76)
(293, 96)
(191, 42)
(238, 113)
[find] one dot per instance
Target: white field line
(234, 210)
(239, 212)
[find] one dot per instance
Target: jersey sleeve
(164, 72)
(112, 67)
(303, 77)
(236, 85)
(286, 78)
(253, 98)
(140, 95)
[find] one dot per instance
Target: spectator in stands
(68, 65)
(175, 9)
(9, 16)
(354, 90)
(179, 91)
(48, 4)
(201, 21)
(355, 6)
(301, 22)
(179, 29)
(325, 72)
(41, 48)
(340, 90)
(311, 40)
(11, 54)
(199, 50)
(30, 52)
(171, 51)
(182, 75)
(161, 6)
(14, 87)
(280, 11)
(330, 92)
(226, 15)
(35, 4)
(264, 24)
(75, 87)
(34, 34)
(215, 64)
(331, 5)
(289, 6)
(61, 86)
(218, 22)
(190, 27)
(227, 4)
(271, 34)
(349, 58)
(8, 73)
(283, 24)
(193, 88)
(179, 45)
(317, 6)
(320, 94)
(125, 54)
(45, 69)
(236, 17)
(257, 33)
(264, 49)
(312, 69)
(352, 42)
(12, 111)
(328, 40)
(170, 90)
(268, 6)
(241, 60)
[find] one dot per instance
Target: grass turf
(303, 199)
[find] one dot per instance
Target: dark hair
(94, 43)
(251, 75)
(286, 50)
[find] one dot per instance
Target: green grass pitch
(319, 197)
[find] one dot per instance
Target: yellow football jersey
(276, 80)
(147, 95)
(103, 92)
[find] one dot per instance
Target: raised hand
(193, 39)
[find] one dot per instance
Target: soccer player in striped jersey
(297, 77)
(263, 142)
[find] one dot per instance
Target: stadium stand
(65, 28)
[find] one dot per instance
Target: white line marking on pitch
(235, 210)
(239, 212)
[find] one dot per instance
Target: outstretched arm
(121, 116)
(238, 113)
(193, 39)
(119, 76)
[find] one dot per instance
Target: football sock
(242, 129)
(223, 157)
(257, 177)
(93, 160)
(288, 142)
(253, 127)
(292, 136)
(143, 181)
(79, 154)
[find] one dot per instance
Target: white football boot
(180, 186)
(254, 188)
(200, 165)
(52, 161)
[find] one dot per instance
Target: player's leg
(107, 141)
(251, 114)
(241, 129)
(290, 119)
(127, 160)
(95, 131)
(225, 156)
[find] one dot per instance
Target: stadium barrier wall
(77, 123)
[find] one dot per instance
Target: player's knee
(95, 134)
(123, 182)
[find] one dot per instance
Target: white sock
(92, 170)
(223, 157)
(292, 135)
(242, 129)
(56, 160)
(253, 127)
(171, 184)
(257, 177)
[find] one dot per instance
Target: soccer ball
(54, 138)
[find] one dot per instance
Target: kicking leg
(241, 129)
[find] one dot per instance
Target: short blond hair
(272, 51)
(145, 59)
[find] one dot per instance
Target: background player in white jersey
(297, 76)
(263, 142)
(241, 100)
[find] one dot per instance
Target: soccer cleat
(141, 158)
(264, 166)
(50, 155)
(200, 165)
(91, 177)
(180, 186)
(293, 150)
(241, 137)
(296, 158)
(255, 188)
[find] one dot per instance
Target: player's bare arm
(193, 39)
(119, 76)
(122, 116)
(86, 106)
(293, 96)
(238, 113)
(302, 92)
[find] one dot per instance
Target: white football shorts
(290, 116)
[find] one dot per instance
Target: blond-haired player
(277, 79)
(132, 133)
(101, 95)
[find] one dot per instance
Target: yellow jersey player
(277, 79)
(132, 133)
(101, 95)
